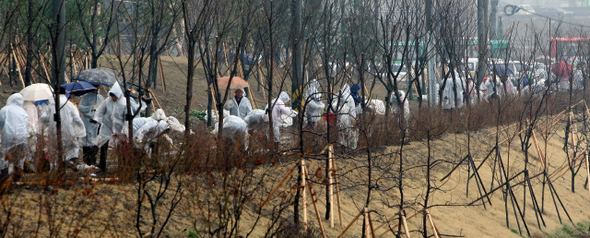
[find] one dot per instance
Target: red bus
(569, 47)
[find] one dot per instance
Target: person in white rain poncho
(87, 106)
(453, 93)
(72, 128)
(147, 129)
(238, 105)
(111, 115)
(313, 105)
(344, 106)
(279, 110)
(375, 105)
(255, 119)
(32, 112)
(397, 109)
(13, 125)
(234, 129)
(32, 128)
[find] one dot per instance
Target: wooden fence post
(304, 194)
(331, 184)
(431, 224)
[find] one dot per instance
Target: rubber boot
(103, 157)
(86, 154)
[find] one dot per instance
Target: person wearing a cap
(238, 105)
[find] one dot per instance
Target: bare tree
(97, 22)
(194, 30)
(163, 17)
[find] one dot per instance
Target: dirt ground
(115, 203)
(451, 215)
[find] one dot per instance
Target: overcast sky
(539, 3)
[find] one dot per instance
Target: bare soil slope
(115, 204)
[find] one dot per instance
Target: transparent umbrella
(37, 92)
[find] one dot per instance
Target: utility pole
(431, 66)
(493, 22)
(482, 39)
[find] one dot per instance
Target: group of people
(346, 103)
(242, 117)
(94, 124)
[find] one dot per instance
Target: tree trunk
(59, 62)
(153, 66)
(28, 69)
(297, 67)
(189, 84)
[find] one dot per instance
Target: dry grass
(218, 189)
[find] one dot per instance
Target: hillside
(91, 208)
(110, 208)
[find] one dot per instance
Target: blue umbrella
(97, 77)
(77, 88)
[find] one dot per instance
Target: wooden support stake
(504, 129)
(22, 60)
(74, 70)
(350, 224)
(153, 107)
(337, 192)
(331, 185)
(44, 66)
(587, 168)
(432, 224)
(156, 99)
(405, 223)
(170, 142)
(1, 73)
(396, 225)
(562, 170)
(366, 228)
(304, 194)
(512, 137)
(240, 69)
(204, 92)
(541, 156)
(554, 123)
(162, 74)
(278, 185)
(252, 97)
(226, 58)
(20, 75)
(262, 83)
(315, 207)
(371, 225)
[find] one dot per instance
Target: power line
(510, 10)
